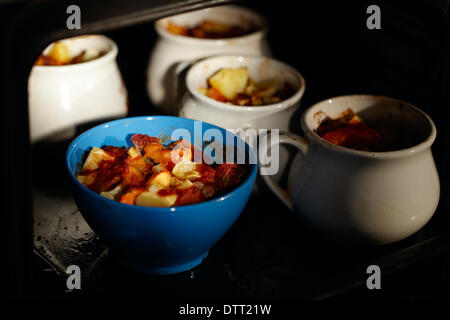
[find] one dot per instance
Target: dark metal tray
(269, 252)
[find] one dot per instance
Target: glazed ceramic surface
(173, 54)
(363, 197)
(197, 106)
(60, 97)
(150, 239)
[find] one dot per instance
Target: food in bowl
(153, 175)
(209, 29)
(59, 55)
(350, 131)
(234, 86)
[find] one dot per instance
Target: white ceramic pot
(61, 97)
(172, 54)
(362, 197)
(197, 106)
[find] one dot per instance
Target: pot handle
(177, 85)
(284, 138)
(182, 66)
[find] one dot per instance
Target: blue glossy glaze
(155, 240)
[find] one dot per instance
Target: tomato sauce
(136, 174)
(351, 132)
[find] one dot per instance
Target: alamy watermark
(74, 20)
(374, 280)
(74, 277)
(374, 20)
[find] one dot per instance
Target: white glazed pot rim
(291, 101)
(110, 55)
(253, 36)
(422, 146)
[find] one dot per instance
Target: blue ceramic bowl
(157, 240)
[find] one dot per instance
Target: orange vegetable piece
(129, 197)
(215, 94)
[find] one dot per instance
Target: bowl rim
(284, 104)
(250, 179)
(425, 144)
(253, 36)
(107, 57)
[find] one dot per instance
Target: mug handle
(294, 140)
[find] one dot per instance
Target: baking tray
(268, 253)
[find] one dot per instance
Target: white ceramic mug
(362, 197)
(61, 97)
(197, 106)
(172, 53)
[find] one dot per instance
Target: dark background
(328, 42)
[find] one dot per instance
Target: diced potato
(230, 82)
(185, 185)
(87, 179)
(155, 152)
(175, 181)
(186, 170)
(112, 194)
(215, 27)
(182, 151)
(213, 93)
(256, 101)
(133, 176)
(251, 87)
(266, 88)
(242, 101)
(159, 167)
(60, 52)
(175, 29)
(151, 198)
(133, 153)
(270, 100)
(91, 54)
(179, 183)
(162, 178)
(350, 117)
(96, 155)
(130, 196)
(355, 119)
